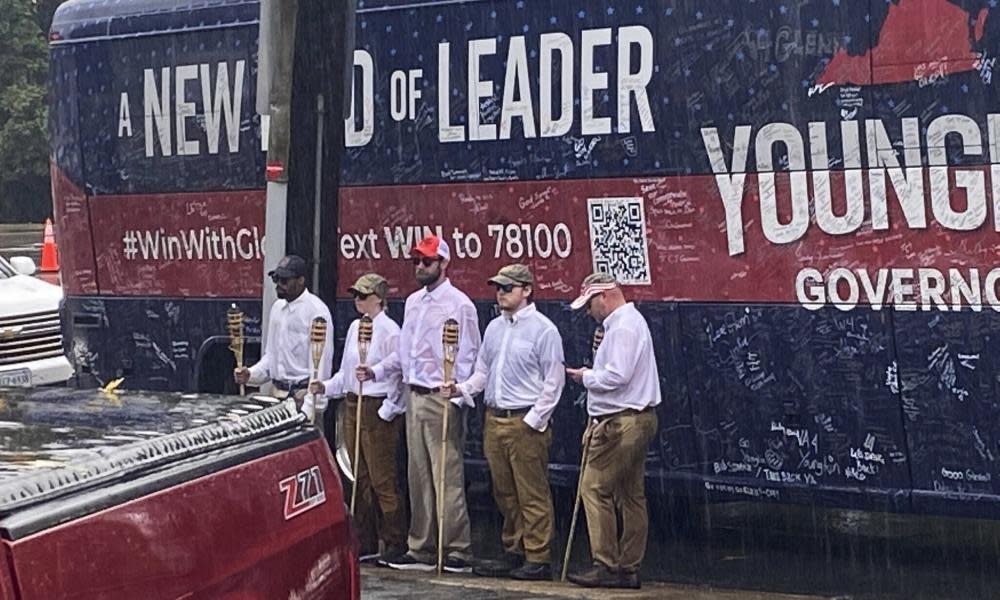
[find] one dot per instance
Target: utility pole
(276, 53)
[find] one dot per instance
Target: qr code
(618, 239)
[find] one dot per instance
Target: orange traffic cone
(50, 253)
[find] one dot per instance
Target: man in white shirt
(520, 367)
(419, 357)
(287, 359)
(623, 390)
(375, 471)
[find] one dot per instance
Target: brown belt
(507, 413)
(627, 411)
(352, 396)
(419, 389)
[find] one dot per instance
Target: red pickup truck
(139, 495)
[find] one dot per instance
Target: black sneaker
(407, 562)
(453, 564)
(389, 556)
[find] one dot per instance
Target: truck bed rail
(21, 492)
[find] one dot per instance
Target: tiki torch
(598, 338)
(364, 342)
(317, 341)
(234, 320)
(449, 339)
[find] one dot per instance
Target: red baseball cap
(432, 246)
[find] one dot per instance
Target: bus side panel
(948, 365)
(794, 404)
(69, 201)
(173, 112)
(157, 343)
(199, 245)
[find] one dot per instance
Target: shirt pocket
(522, 349)
(298, 336)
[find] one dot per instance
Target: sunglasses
(506, 287)
(360, 296)
(425, 260)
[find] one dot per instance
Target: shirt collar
(616, 315)
(298, 301)
(437, 292)
(524, 313)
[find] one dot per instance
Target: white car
(31, 348)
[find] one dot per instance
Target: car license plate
(18, 378)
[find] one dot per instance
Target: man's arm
(337, 385)
(476, 383)
(394, 403)
(390, 365)
(469, 342)
(316, 403)
(622, 345)
(262, 370)
(550, 352)
(326, 362)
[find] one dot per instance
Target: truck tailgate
(272, 527)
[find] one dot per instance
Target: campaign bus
(802, 198)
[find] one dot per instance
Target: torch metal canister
(449, 342)
(364, 343)
(317, 341)
(598, 338)
(234, 322)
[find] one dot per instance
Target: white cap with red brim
(592, 285)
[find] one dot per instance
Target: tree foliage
(24, 168)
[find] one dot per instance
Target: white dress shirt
(624, 373)
(520, 366)
(287, 353)
(385, 338)
(420, 353)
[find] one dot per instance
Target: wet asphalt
(386, 584)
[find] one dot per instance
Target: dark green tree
(24, 163)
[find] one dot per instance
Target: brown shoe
(598, 576)
(500, 567)
(630, 580)
(531, 571)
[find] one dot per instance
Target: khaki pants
(518, 457)
(380, 511)
(614, 477)
(423, 443)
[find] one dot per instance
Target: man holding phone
(623, 390)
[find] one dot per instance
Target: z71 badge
(303, 492)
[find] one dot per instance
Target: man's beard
(428, 278)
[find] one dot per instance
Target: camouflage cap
(513, 275)
(593, 284)
(371, 283)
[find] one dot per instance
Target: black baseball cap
(289, 267)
